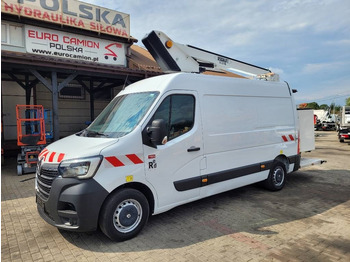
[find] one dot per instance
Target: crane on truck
(176, 57)
(188, 115)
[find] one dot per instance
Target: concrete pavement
(309, 220)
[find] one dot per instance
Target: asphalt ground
(309, 220)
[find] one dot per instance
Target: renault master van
(166, 141)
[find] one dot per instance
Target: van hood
(74, 147)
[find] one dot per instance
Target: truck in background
(344, 124)
(325, 121)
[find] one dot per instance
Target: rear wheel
(124, 214)
(277, 177)
(19, 170)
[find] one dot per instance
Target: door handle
(193, 148)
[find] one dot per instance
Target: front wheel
(277, 177)
(124, 214)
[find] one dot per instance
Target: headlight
(81, 168)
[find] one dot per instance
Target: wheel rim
(127, 215)
(278, 176)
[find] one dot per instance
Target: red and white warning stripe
(115, 161)
(51, 157)
(124, 160)
(43, 152)
(288, 138)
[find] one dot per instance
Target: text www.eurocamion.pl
(62, 54)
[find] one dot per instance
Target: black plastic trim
(237, 172)
(189, 183)
(193, 149)
(296, 161)
(196, 182)
(73, 199)
(159, 52)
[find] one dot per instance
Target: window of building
(103, 94)
(72, 91)
(178, 112)
(12, 34)
(3, 33)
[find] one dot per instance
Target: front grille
(45, 176)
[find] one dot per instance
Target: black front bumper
(73, 204)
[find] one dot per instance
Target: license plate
(40, 202)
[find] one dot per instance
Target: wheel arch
(277, 174)
(284, 160)
(140, 187)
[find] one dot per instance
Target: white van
(166, 141)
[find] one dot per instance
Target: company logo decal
(111, 52)
(152, 162)
(42, 41)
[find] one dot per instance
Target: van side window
(178, 112)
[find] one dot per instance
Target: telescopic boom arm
(175, 57)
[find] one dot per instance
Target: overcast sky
(306, 41)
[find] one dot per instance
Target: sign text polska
(71, 13)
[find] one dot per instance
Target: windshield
(121, 115)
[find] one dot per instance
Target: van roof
(209, 84)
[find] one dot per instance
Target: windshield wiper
(89, 133)
(94, 134)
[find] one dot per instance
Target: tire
(19, 170)
(277, 177)
(124, 214)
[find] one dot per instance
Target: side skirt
(205, 180)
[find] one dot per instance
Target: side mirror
(157, 131)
